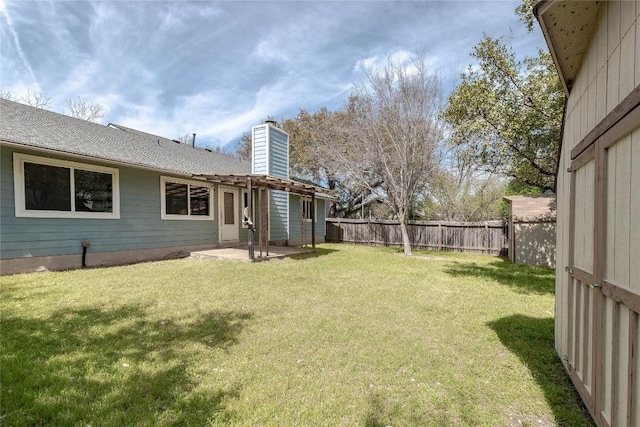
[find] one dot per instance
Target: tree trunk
(406, 241)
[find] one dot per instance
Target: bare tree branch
(85, 110)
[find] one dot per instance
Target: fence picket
(488, 237)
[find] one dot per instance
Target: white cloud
(16, 43)
(216, 68)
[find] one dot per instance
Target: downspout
(249, 221)
(85, 245)
(313, 221)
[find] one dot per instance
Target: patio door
(228, 210)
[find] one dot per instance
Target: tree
(393, 134)
(461, 191)
(80, 108)
(34, 99)
(85, 110)
(187, 138)
(508, 113)
(310, 136)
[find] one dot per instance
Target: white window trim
(315, 208)
(19, 187)
(189, 217)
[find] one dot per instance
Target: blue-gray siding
(139, 226)
(294, 218)
(279, 215)
(259, 158)
(278, 153)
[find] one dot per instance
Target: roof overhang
(567, 26)
(90, 158)
(270, 182)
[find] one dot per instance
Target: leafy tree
(508, 113)
(525, 12)
(393, 136)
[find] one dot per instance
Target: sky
(217, 68)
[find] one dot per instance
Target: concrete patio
(241, 253)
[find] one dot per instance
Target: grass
(352, 335)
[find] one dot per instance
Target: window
(51, 188)
(306, 210)
(183, 199)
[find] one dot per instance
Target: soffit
(567, 27)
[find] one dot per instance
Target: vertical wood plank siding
(598, 295)
(481, 237)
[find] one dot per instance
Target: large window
(51, 188)
(183, 199)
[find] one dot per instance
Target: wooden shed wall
(597, 328)
(534, 243)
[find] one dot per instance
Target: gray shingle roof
(535, 208)
(27, 126)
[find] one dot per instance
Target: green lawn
(351, 336)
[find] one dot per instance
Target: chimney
(193, 141)
(270, 150)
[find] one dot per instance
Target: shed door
(604, 281)
(582, 292)
(618, 392)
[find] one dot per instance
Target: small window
(183, 199)
(306, 209)
(51, 188)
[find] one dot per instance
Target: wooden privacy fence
(488, 237)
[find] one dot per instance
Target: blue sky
(217, 68)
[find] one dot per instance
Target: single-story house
(75, 193)
(532, 229)
(596, 49)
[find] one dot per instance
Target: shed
(596, 49)
(532, 229)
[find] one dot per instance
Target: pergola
(265, 183)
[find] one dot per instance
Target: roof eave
(567, 27)
(85, 157)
